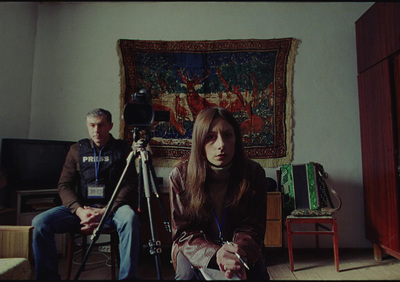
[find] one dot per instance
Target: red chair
(319, 221)
(326, 222)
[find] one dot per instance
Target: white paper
(214, 274)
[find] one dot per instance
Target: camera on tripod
(140, 113)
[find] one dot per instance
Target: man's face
(99, 129)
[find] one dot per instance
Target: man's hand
(229, 263)
(90, 217)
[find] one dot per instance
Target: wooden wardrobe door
(396, 81)
(379, 142)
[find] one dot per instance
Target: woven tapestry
(251, 78)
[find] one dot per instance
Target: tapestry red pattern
(252, 78)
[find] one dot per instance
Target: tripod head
(141, 133)
(141, 139)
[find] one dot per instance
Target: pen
(239, 257)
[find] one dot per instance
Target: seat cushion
(15, 269)
(308, 212)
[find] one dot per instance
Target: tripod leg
(96, 233)
(166, 221)
(82, 266)
(155, 245)
(140, 187)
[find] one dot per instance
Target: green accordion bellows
(304, 189)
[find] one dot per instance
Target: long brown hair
(197, 166)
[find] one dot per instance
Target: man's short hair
(100, 112)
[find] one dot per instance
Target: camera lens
(141, 115)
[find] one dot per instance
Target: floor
(313, 264)
(309, 264)
(98, 267)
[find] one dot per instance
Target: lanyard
(96, 162)
(220, 225)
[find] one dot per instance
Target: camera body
(140, 113)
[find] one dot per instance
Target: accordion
(304, 189)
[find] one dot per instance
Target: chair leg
(289, 242)
(84, 249)
(335, 245)
(69, 256)
(117, 251)
(84, 246)
(316, 237)
(112, 245)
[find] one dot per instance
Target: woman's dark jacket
(244, 224)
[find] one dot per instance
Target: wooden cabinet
(8, 216)
(273, 234)
(378, 49)
(377, 34)
(30, 203)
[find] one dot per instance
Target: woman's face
(220, 143)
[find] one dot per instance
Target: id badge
(96, 191)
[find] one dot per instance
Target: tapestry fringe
(163, 162)
(270, 163)
(122, 94)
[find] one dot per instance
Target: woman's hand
(229, 263)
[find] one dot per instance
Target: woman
(218, 203)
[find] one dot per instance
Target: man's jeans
(60, 220)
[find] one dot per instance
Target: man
(89, 177)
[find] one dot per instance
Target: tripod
(145, 168)
(147, 173)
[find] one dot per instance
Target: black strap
(323, 175)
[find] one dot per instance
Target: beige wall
(17, 36)
(72, 58)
